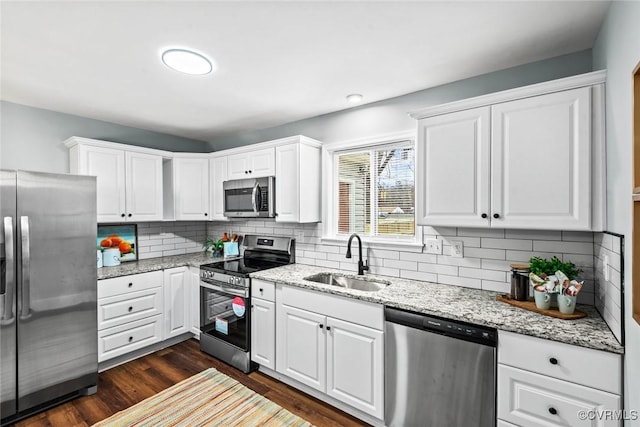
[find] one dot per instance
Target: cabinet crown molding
(573, 82)
(75, 140)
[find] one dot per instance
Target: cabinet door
(541, 158)
(108, 166)
(218, 174)
(262, 162)
(301, 346)
(263, 332)
(355, 363)
(238, 166)
(144, 187)
(176, 307)
(191, 188)
(194, 300)
(288, 183)
(453, 169)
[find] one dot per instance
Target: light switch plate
(457, 247)
(300, 236)
(433, 246)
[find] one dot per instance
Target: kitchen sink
(333, 279)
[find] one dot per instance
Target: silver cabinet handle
(6, 297)
(25, 308)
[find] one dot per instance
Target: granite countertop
(459, 303)
(154, 264)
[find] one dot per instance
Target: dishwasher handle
(456, 329)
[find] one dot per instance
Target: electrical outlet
(433, 246)
(605, 267)
(457, 247)
(300, 236)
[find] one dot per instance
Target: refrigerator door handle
(6, 298)
(25, 308)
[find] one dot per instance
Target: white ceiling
(278, 61)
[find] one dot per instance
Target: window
(374, 191)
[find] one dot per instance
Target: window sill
(407, 246)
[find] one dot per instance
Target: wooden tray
(531, 306)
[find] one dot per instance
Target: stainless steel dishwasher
(438, 372)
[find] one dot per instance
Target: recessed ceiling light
(187, 61)
(354, 98)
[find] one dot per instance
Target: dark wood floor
(128, 384)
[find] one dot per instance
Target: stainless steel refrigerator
(48, 310)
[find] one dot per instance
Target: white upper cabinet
(191, 188)
(541, 158)
(298, 183)
(534, 162)
(453, 156)
(251, 164)
(218, 174)
(129, 183)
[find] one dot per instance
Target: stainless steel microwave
(253, 197)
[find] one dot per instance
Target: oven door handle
(237, 292)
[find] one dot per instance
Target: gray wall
(391, 115)
(618, 50)
(32, 138)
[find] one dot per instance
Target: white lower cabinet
(128, 337)
(547, 383)
(332, 344)
(176, 302)
(263, 323)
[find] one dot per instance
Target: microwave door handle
(254, 197)
(9, 279)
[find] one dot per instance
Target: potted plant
(543, 277)
(214, 247)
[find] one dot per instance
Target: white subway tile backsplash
(607, 293)
(492, 264)
(419, 275)
(478, 273)
(499, 254)
(577, 236)
(402, 265)
(517, 244)
(467, 282)
(450, 270)
(327, 263)
(461, 262)
(420, 257)
(496, 233)
(564, 247)
(525, 256)
(379, 253)
(384, 271)
(533, 234)
(502, 287)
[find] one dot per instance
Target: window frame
(330, 196)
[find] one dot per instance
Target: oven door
(224, 313)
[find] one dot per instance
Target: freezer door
(57, 286)
(7, 293)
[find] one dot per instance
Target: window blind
(376, 191)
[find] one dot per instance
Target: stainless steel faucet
(362, 267)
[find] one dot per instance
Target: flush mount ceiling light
(187, 61)
(354, 98)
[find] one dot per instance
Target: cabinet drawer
(263, 290)
(132, 283)
(122, 339)
(592, 368)
(528, 399)
(360, 312)
(120, 309)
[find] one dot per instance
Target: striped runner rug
(209, 398)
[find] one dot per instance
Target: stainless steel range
(225, 292)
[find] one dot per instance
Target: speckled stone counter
(459, 303)
(154, 264)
